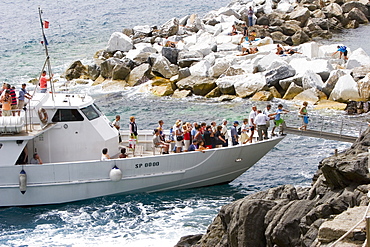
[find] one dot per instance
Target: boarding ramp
(333, 127)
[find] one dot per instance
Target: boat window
(67, 115)
(90, 112)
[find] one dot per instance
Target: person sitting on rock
(233, 30)
(279, 50)
(252, 36)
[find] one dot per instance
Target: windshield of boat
(67, 115)
(90, 112)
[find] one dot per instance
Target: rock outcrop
(204, 48)
(293, 216)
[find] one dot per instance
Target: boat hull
(68, 182)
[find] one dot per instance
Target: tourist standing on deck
(43, 83)
(261, 120)
(234, 133)
(225, 133)
(252, 125)
(244, 132)
(116, 124)
(304, 115)
(250, 16)
(14, 104)
(179, 138)
(21, 97)
(267, 112)
(6, 101)
(133, 129)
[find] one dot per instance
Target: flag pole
(47, 61)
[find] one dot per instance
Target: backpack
(239, 131)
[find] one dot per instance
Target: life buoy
(43, 115)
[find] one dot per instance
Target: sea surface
(77, 30)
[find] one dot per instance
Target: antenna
(47, 60)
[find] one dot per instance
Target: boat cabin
(60, 128)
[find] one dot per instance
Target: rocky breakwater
(194, 56)
(294, 216)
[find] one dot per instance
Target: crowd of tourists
(186, 136)
(10, 103)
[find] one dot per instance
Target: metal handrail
(350, 125)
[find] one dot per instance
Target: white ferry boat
(68, 131)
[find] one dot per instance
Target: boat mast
(47, 60)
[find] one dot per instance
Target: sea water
(78, 29)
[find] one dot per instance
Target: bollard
(368, 231)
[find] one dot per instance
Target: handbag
(179, 138)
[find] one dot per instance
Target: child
(278, 120)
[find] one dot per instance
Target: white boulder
(310, 49)
(284, 6)
(119, 42)
(220, 66)
(265, 61)
(248, 85)
(200, 69)
(345, 89)
(311, 80)
(309, 95)
(358, 58)
(162, 66)
(142, 29)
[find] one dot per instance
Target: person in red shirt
(43, 83)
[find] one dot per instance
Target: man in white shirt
(252, 125)
(260, 120)
(267, 112)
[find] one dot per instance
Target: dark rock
(290, 29)
(280, 38)
(115, 68)
(171, 54)
(198, 85)
(263, 21)
(183, 63)
(275, 75)
(93, 71)
(75, 71)
(347, 7)
(301, 15)
(358, 15)
(300, 37)
(188, 241)
(183, 73)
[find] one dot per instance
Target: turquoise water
(77, 30)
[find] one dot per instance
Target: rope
(350, 230)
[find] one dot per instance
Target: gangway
(335, 127)
(321, 134)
